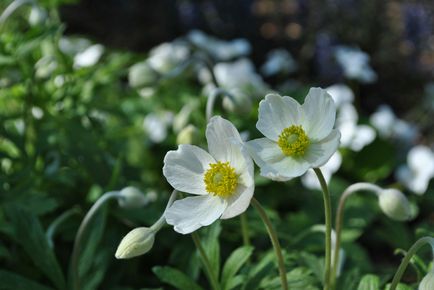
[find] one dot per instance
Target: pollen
(293, 141)
(221, 179)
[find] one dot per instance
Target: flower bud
(394, 204)
(131, 197)
(240, 103)
(137, 242)
(188, 135)
(141, 74)
(427, 282)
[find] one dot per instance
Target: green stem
(79, 236)
(245, 229)
(212, 278)
(328, 223)
(55, 224)
(340, 218)
(274, 240)
(416, 246)
(217, 92)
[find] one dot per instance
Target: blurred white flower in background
(220, 50)
(166, 56)
(418, 171)
(390, 126)
(239, 74)
(89, 57)
(355, 64)
(353, 136)
(142, 74)
(37, 15)
(156, 125)
(310, 180)
(278, 61)
(73, 45)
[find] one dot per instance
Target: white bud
(137, 242)
(141, 74)
(131, 197)
(188, 135)
(394, 204)
(240, 103)
(427, 282)
(37, 16)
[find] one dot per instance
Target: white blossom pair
(299, 137)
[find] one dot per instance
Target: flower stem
(340, 218)
(212, 278)
(328, 223)
(217, 92)
(55, 224)
(245, 229)
(274, 240)
(79, 236)
(416, 246)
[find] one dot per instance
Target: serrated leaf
(369, 282)
(233, 265)
(29, 234)
(12, 281)
(175, 278)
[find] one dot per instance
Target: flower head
(298, 137)
(137, 242)
(221, 180)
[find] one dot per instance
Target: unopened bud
(394, 204)
(239, 103)
(137, 242)
(141, 74)
(131, 197)
(427, 282)
(188, 135)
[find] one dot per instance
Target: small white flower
(355, 64)
(394, 204)
(278, 61)
(156, 124)
(141, 74)
(390, 126)
(220, 50)
(419, 170)
(222, 179)
(89, 57)
(341, 94)
(310, 180)
(166, 56)
(298, 137)
(235, 77)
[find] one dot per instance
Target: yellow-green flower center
(293, 141)
(220, 179)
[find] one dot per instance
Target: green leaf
(233, 264)
(175, 278)
(11, 281)
(369, 282)
(212, 247)
(29, 234)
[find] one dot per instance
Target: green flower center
(221, 179)
(293, 141)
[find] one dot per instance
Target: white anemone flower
(419, 170)
(221, 180)
(88, 57)
(355, 64)
(298, 137)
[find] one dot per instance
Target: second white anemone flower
(298, 137)
(222, 179)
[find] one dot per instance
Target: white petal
(319, 153)
(277, 113)
(320, 114)
(239, 202)
(191, 213)
(273, 163)
(421, 159)
(185, 167)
